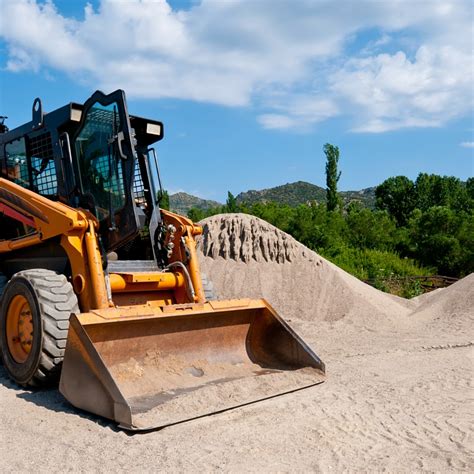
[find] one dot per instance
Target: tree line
(420, 227)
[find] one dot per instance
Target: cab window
(16, 162)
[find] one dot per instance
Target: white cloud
(40, 32)
(392, 91)
(467, 144)
(286, 59)
(276, 121)
(21, 60)
(298, 112)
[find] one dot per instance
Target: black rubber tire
(208, 288)
(52, 300)
(3, 284)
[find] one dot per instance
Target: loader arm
(184, 248)
(76, 229)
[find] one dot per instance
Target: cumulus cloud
(298, 112)
(467, 144)
(392, 91)
(295, 63)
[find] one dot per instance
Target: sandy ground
(398, 397)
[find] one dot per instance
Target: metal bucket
(149, 367)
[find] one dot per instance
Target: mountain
(365, 196)
(302, 192)
(291, 194)
(181, 203)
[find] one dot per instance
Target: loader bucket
(149, 367)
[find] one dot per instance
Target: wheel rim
(19, 328)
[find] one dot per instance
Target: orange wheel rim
(19, 328)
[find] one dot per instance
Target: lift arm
(76, 229)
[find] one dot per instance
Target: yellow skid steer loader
(101, 289)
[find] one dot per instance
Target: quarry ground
(398, 395)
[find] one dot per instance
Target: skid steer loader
(101, 289)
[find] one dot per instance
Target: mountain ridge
(292, 194)
(182, 203)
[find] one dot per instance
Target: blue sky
(251, 90)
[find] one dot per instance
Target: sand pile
(449, 309)
(457, 301)
(246, 256)
(244, 238)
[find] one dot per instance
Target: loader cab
(111, 167)
(93, 156)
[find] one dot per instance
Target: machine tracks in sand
(447, 346)
(434, 347)
(379, 411)
(399, 411)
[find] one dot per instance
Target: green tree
(303, 226)
(164, 199)
(396, 196)
(231, 203)
(444, 238)
(196, 214)
(433, 190)
(370, 229)
(470, 188)
(332, 176)
(279, 215)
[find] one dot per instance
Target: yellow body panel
(77, 230)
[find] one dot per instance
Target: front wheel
(34, 322)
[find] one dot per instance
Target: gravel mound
(449, 310)
(247, 238)
(246, 256)
(456, 300)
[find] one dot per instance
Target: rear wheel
(34, 322)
